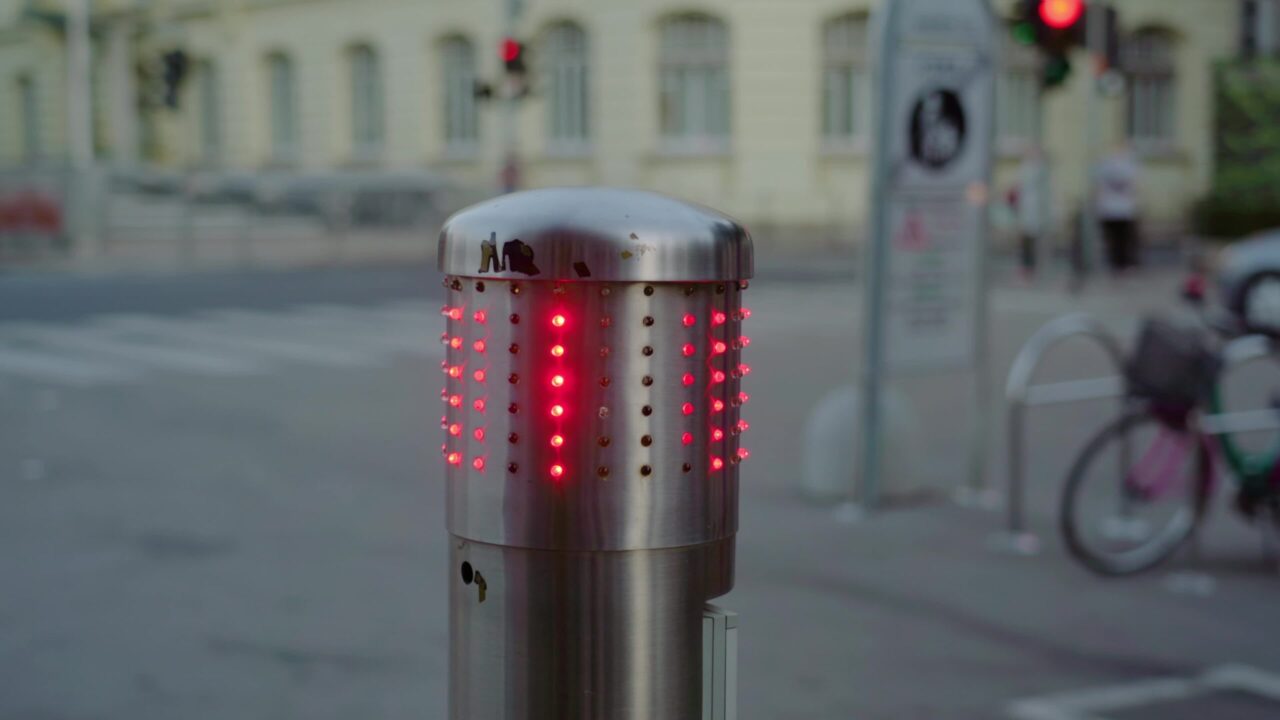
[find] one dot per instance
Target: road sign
(935, 90)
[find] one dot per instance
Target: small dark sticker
(938, 129)
(516, 256)
(582, 269)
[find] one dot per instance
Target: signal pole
(513, 90)
(80, 131)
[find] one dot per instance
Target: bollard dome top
(594, 235)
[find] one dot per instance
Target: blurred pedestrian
(1116, 181)
(1031, 208)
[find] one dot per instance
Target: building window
(284, 108)
(209, 101)
(694, 91)
(367, 125)
(846, 81)
(568, 90)
(1260, 28)
(461, 127)
(1149, 63)
(29, 107)
(1018, 96)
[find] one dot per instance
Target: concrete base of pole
(830, 458)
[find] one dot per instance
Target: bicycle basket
(1172, 365)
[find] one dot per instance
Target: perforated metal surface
(646, 452)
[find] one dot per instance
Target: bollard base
(547, 635)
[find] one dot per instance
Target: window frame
(705, 129)
(566, 58)
(284, 129)
(850, 58)
(460, 126)
(1150, 68)
(367, 103)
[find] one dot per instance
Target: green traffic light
(1024, 33)
(1056, 71)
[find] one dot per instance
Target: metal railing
(1020, 394)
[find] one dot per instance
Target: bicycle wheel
(1134, 495)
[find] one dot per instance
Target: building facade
(758, 107)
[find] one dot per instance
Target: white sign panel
(937, 106)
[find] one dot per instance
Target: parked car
(1249, 281)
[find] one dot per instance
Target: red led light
(717, 435)
(687, 408)
(689, 320)
(743, 453)
(1061, 14)
(717, 376)
(455, 314)
(557, 381)
(558, 320)
(478, 463)
(745, 369)
(478, 405)
(557, 351)
(689, 350)
(509, 50)
(718, 318)
(557, 441)
(455, 429)
(481, 316)
(557, 471)
(719, 347)
(717, 406)
(745, 313)
(455, 371)
(455, 343)
(478, 434)
(454, 458)
(745, 341)
(479, 345)
(743, 398)
(743, 426)
(687, 438)
(557, 410)
(717, 463)
(455, 400)
(479, 375)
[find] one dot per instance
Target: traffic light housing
(513, 56)
(174, 65)
(1055, 27)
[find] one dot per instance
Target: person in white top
(1031, 207)
(1116, 201)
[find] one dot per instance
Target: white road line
(369, 327)
(351, 334)
(96, 342)
(57, 369)
(224, 334)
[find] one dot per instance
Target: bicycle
(1168, 464)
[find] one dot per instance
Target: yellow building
(757, 107)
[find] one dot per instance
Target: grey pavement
(188, 541)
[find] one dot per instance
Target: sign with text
(936, 103)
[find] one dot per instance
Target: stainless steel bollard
(592, 446)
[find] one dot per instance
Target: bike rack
(1020, 394)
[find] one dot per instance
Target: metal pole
(510, 161)
(866, 493)
(80, 128)
(1095, 39)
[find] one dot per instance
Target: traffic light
(513, 59)
(1054, 26)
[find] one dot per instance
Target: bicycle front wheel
(1135, 494)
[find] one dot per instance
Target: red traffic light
(1061, 14)
(510, 50)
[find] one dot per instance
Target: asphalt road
(222, 499)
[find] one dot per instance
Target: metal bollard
(593, 391)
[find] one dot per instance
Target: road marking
(216, 333)
(96, 342)
(1096, 703)
(46, 367)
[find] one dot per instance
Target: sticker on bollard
(593, 392)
